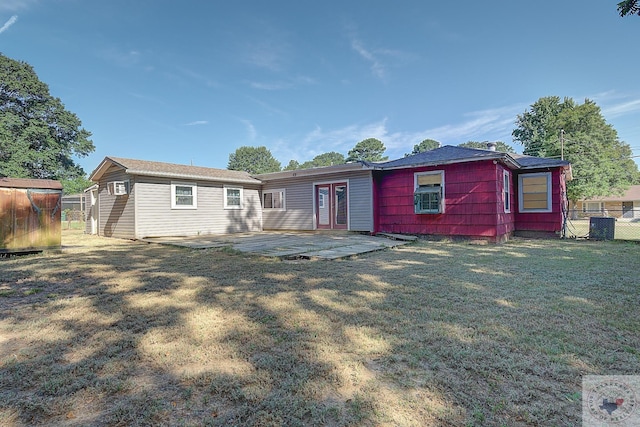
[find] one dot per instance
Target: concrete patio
(291, 245)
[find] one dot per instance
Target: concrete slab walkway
(288, 245)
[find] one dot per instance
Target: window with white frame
(184, 195)
(592, 207)
(428, 195)
(273, 199)
(506, 191)
(535, 192)
(233, 197)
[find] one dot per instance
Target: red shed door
(331, 206)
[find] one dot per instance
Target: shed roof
(632, 194)
(171, 170)
(48, 184)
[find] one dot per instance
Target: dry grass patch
(111, 332)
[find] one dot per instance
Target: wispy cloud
(8, 24)
(197, 123)
(16, 5)
(283, 84)
(621, 109)
(377, 68)
(251, 129)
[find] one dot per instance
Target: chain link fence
(625, 222)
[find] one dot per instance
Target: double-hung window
(535, 192)
(184, 195)
(273, 199)
(506, 191)
(428, 196)
(233, 197)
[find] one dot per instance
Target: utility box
(29, 215)
(602, 228)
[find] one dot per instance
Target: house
(29, 214)
(456, 191)
(134, 199)
(449, 191)
(625, 206)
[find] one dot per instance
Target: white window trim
(118, 188)
(506, 191)
(442, 195)
(520, 199)
(194, 191)
(226, 197)
(284, 199)
(585, 207)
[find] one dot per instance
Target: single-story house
(625, 206)
(449, 191)
(134, 199)
(29, 214)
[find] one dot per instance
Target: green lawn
(112, 332)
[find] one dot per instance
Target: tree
(38, 136)
(293, 165)
(325, 159)
(500, 146)
(370, 150)
(601, 163)
(76, 185)
(629, 7)
(426, 145)
(255, 160)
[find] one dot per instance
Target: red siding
(473, 202)
(550, 222)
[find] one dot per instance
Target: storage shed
(29, 214)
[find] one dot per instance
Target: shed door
(332, 206)
(627, 209)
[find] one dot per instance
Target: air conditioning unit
(602, 228)
(118, 188)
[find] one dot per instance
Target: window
(184, 195)
(273, 199)
(233, 197)
(117, 188)
(428, 196)
(592, 207)
(506, 192)
(535, 192)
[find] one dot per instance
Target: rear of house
(625, 206)
(135, 199)
(455, 191)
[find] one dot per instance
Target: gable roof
(449, 154)
(171, 170)
(632, 194)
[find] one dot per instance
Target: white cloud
(251, 129)
(283, 84)
(8, 24)
(621, 109)
(377, 68)
(197, 123)
(15, 5)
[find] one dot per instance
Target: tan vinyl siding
(117, 213)
(157, 218)
(299, 193)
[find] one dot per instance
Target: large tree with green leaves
(369, 150)
(601, 163)
(425, 145)
(500, 146)
(629, 7)
(39, 138)
(254, 160)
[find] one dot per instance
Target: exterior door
(627, 209)
(332, 206)
(94, 211)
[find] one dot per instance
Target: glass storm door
(332, 207)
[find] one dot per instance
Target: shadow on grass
(432, 334)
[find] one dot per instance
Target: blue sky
(191, 81)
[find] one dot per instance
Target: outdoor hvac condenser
(602, 228)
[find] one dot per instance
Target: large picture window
(233, 197)
(184, 195)
(273, 199)
(428, 196)
(535, 192)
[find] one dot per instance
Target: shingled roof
(450, 154)
(171, 170)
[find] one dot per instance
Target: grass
(111, 332)
(624, 229)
